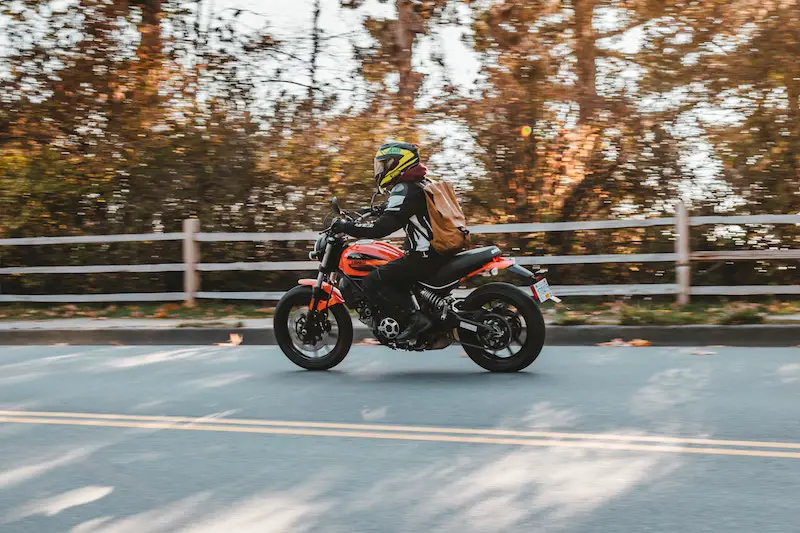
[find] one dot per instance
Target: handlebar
(354, 215)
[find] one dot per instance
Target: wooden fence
(192, 265)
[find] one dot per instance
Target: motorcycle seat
(460, 265)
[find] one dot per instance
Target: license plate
(541, 290)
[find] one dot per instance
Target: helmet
(392, 160)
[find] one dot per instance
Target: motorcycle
(500, 327)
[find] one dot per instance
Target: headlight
(319, 248)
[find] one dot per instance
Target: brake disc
(498, 334)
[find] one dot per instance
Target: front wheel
(312, 342)
(515, 329)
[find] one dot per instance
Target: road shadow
(431, 377)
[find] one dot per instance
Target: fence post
(683, 268)
(191, 256)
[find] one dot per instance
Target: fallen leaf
(622, 342)
(614, 342)
(50, 313)
(235, 340)
(111, 308)
(60, 344)
(3, 316)
(100, 318)
(70, 307)
(162, 311)
(369, 342)
(115, 343)
(137, 314)
(702, 352)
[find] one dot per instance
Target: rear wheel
(515, 327)
(314, 342)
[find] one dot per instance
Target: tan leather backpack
(450, 233)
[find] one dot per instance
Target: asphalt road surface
(237, 439)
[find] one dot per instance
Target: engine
(386, 329)
(365, 313)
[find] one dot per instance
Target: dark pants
(388, 286)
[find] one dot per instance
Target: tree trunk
(315, 34)
(586, 55)
(407, 27)
(150, 51)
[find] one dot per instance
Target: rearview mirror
(336, 208)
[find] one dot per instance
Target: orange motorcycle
(499, 325)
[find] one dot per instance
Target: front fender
(335, 296)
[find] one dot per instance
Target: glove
(379, 209)
(339, 226)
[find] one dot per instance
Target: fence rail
(192, 237)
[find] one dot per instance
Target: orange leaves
(621, 342)
(235, 340)
(164, 310)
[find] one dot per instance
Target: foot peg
(418, 323)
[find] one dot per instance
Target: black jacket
(406, 208)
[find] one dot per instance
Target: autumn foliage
(128, 116)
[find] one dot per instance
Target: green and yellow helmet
(392, 160)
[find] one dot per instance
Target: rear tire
(292, 304)
(526, 309)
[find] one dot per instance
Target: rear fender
(496, 264)
(335, 296)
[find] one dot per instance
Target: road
(236, 439)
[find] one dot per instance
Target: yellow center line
(105, 423)
(411, 429)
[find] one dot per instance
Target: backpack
(450, 233)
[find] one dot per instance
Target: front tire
(510, 308)
(290, 313)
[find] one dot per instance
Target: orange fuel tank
(362, 257)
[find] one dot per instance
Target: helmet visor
(379, 168)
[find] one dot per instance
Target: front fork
(318, 294)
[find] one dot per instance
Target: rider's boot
(417, 323)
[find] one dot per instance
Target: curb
(751, 335)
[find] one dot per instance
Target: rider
(398, 169)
